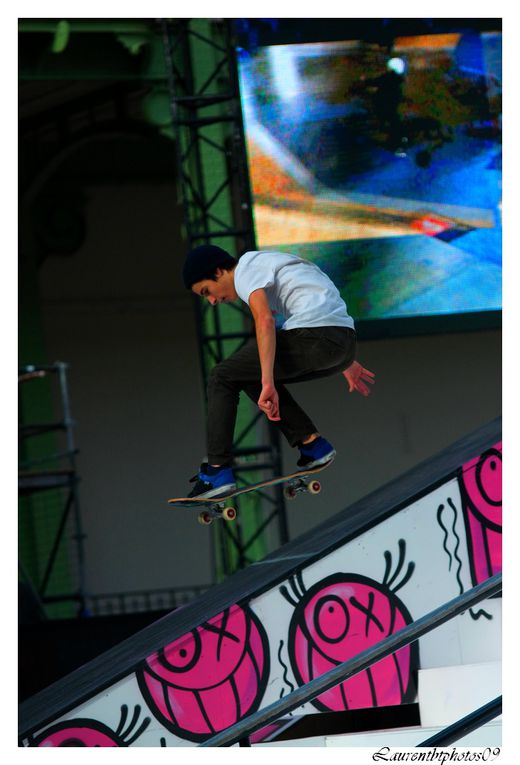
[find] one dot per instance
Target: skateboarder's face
(220, 291)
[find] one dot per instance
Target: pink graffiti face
(88, 732)
(482, 480)
(79, 733)
(208, 679)
(480, 483)
(337, 619)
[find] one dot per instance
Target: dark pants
(301, 354)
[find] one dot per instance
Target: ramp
(378, 565)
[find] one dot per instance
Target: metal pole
(55, 547)
(466, 724)
(79, 535)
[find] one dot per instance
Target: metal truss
(214, 187)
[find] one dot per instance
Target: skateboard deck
(216, 507)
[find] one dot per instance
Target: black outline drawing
(299, 597)
(121, 736)
(262, 677)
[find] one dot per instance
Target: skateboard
(217, 507)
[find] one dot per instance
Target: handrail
(362, 661)
(466, 724)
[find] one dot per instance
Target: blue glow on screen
(382, 166)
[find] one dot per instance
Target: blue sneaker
(212, 482)
(318, 452)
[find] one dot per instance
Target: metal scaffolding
(48, 486)
(214, 188)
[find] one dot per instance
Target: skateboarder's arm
(356, 376)
(266, 339)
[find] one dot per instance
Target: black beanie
(202, 262)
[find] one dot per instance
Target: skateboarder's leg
(302, 354)
(298, 429)
(295, 424)
(226, 381)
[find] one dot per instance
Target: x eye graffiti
(87, 732)
(341, 616)
(210, 678)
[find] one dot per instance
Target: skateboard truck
(299, 485)
(218, 510)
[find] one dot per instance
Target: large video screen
(382, 164)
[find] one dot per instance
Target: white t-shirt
(296, 289)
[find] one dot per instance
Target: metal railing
(465, 725)
(269, 714)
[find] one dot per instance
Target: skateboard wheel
(205, 518)
(229, 513)
(289, 492)
(314, 487)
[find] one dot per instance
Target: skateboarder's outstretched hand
(268, 402)
(356, 376)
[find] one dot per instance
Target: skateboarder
(316, 338)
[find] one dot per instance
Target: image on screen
(383, 166)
